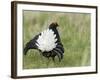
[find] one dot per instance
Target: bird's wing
(31, 44)
(47, 40)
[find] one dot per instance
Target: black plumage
(58, 50)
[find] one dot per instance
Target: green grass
(74, 29)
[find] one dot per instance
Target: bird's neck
(53, 28)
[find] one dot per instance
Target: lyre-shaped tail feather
(59, 50)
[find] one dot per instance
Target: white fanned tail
(47, 40)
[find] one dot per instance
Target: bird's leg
(53, 58)
(48, 56)
(48, 61)
(42, 58)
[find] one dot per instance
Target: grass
(74, 29)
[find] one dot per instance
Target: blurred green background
(74, 30)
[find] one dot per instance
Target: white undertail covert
(47, 40)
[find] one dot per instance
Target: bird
(47, 42)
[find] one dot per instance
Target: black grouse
(48, 43)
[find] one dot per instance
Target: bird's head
(53, 25)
